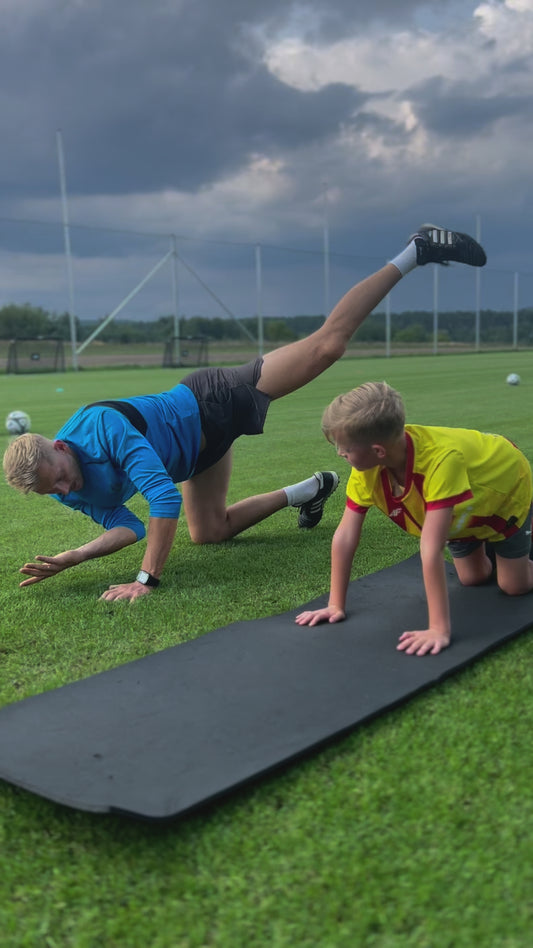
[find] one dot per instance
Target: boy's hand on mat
(426, 641)
(46, 567)
(129, 591)
(314, 616)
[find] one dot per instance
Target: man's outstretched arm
(46, 566)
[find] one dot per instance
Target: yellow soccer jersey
(484, 477)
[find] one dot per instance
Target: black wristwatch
(146, 578)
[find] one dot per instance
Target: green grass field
(416, 830)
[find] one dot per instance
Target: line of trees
(30, 322)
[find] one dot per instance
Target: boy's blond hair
(22, 460)
(371, 413)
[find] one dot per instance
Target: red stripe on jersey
(412, 519)
(449, 501)
(356, 507)
(391, 501)
(418, 481)
(397, 511)
(498, 524)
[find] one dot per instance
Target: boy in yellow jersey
(449, 486)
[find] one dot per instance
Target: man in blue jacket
(108, 451)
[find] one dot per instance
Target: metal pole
(387, 325)
(66, 237)
(259, 285)
(435, 309)
(515, 311)
(124, 302)
(478, 289)
(216, 298)
(175, 302)
(326, 251)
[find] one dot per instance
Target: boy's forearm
(434, 572)
(435, 532)
(342, 554)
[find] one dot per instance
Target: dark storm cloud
(380, 127)
(202, 131)
(334, 20)
(159, 95)
(456, 110)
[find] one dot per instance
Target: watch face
(146, 578)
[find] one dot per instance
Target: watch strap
(146, 578)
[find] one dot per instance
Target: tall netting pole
(326, 251)
(175, 300)
(478, 290)
(66, 235)
(435, 308)
(515, 311)
(259, 291)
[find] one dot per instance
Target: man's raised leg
(290, 367)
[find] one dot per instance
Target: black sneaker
(438, 245)
(311, 512)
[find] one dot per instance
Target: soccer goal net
(185, 351)
(35, 355)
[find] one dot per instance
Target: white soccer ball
(18, 422)
(513, 379)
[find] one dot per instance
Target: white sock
(406, 259)
(298, 494)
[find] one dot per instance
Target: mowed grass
(416, 830)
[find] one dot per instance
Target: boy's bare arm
(343, 547)
(435, 532)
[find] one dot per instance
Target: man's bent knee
(209, 533)
(331, 348)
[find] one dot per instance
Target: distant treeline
(29, 322)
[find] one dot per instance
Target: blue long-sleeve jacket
(117, 461)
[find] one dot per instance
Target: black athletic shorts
(511, 548)
(230, 406)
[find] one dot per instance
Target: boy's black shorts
(230, 405)
(511, 548)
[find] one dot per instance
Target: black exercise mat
(162, 735)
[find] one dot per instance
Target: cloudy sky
(237, 124)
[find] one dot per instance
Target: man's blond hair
(371, 413)
(22, 460)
